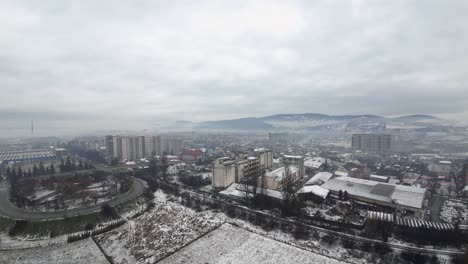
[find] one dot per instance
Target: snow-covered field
(231, 244)
(157, 233)
(453, 211)
(83, 251)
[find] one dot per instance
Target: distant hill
(415, 118)
(305, 120)
(236, 124)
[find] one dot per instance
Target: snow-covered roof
(380, 177)
(280, 172)
(236, 189)
(314, 189)
(319, 178)
(384, 192)
(466, 188)
(292, 157)
(261, 149)
(314, 163)
(341, 173)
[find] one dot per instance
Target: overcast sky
(137, 63)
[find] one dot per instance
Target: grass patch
(61, 226)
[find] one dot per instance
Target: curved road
(7, 209)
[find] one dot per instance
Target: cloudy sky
(116, 64)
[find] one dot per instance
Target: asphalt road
(7, 209)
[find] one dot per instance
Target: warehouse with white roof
(408, 198)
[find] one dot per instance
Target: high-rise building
(117, 147)
(150, 145)
(109, 143)
(133, 147)
(128, 148)
(372, 142)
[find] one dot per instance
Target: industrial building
(27, 155)
(265, 156)
(403, 198)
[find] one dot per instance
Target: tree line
(40, 169)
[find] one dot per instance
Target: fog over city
(263, 131)
(69, 63)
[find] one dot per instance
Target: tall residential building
(117, 147)
(140, 148)
(372, 142)
(150, 145)
(134, 147)
(128, 148)
(109, 143)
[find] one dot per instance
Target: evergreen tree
(340, 195)
(73, 164)
(35, 170)
(68, 164)
(13, 173)
(80, 165)
(29, 172)
(62, 166)
(345, 195)
(52, 169)
(20, 172)
(152, 164)
(8, 172)
(42, 170)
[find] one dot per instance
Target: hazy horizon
(86, 65)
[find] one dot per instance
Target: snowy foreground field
(84, 251)
(231, 244)
(156, 234)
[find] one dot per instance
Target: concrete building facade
(372, 142)
(265, 157)
(297, 161)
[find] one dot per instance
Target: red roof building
(192, 155)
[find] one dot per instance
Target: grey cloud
(124, 63)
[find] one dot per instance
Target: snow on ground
(243, 247)
(83, 251)
(157, 233)
(453, 210)
(313, 244)
(8, 242)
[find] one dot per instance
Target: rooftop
(319, 178)
(280, 172)
(314, 189)
(384, 192)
